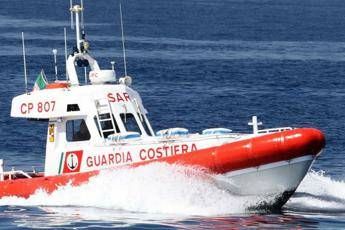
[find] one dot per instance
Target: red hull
(226, 158)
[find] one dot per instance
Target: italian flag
(41, 81)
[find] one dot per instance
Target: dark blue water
(197, 64)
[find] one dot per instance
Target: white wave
(177, 190)
(155, 188)
(319, 193)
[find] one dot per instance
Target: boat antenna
(65, 37)
(82, 14)
(71, 9)
(24, 60)
(123, 42)
(77, 9)
(55, 64)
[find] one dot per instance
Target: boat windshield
(129, 122)
(145, 123)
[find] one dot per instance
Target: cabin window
(106, 124)
(72, 107)
(76, 130)
(145, 125)
(129, 122)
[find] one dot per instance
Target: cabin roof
(75, 101)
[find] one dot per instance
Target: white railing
(274, 130)
(13, 173)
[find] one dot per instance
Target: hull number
(39, 107)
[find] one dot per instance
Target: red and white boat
(103, 125)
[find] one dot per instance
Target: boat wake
(171, 189)
(318, 193)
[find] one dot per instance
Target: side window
(129, 122)
(76, 130)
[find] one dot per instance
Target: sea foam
(178, 190)
(319, 193)
(155, 188)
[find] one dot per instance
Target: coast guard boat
(104, 125)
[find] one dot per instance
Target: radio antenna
(65, 37)
(24, 60)
(82, 13)
(55, 64)
(123, 42)
(71, 9)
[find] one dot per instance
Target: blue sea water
(197, 64)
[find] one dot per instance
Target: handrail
(14, 172)
(274, 130)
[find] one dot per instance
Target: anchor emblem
(72, 161)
